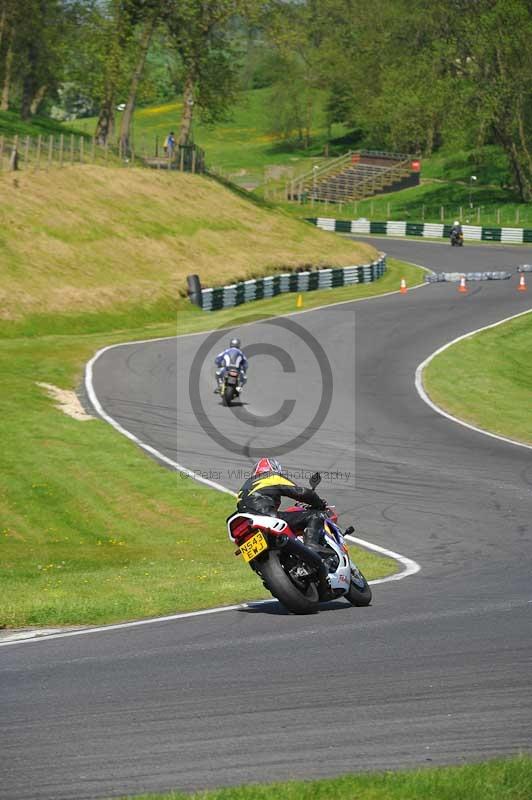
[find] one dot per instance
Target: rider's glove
(323, 506)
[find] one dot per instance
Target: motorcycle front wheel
(299, 599)
(359, 593)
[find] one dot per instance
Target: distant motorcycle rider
(456, 231)
(232, 356)
(262, 493)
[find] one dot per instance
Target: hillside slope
(91, 238)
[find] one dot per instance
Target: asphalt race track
(438, 670)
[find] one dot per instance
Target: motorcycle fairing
(341, 577)
(273, 524)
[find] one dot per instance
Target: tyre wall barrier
(258, 288)
(194, 289)
(439, 277)
(425, 229)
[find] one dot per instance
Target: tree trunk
(3, 24)
(30, 85)
(4, 103)
(106, 118)
(188, 109)
(522, 182)
(37, 99)
(127, 116)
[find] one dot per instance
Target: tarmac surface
(437, 670)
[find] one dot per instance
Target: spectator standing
(169, 144)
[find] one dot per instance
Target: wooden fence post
(61, 148)
(81, 153)
(27, 152)
(72, 149)
(93, 149)
(13, 161)
(193, 159)
(39, 145)
(50, 150)
(181, 157)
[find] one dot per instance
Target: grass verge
(93, 531)
(486, 379)
(502, 779)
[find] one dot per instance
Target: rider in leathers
(262, 493)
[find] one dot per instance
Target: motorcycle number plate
(251, 549)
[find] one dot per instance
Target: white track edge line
(410, 568)
(116, 425)
(425, 397)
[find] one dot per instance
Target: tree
(199, 31)
(7, 39)
(116, 29)
(499, 68)
(148, 15)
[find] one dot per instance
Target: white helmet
(456, 222)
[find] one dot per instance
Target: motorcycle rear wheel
(228, 395)
(294, 598)
(359, 593)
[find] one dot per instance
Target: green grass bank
(486, 379)
(503, 779)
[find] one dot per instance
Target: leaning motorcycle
(231, 385)
(299, 576)
(457, 239)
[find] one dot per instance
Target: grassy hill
(11, 124)
(243, 146)
(95, 239)
(245, 150)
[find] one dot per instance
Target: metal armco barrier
(258, 288)
(425, 229)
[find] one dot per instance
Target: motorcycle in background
(299, 576)
(457, 238)
(231, 385)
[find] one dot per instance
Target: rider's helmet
(235, 343)
(456, 223)
(266, 465)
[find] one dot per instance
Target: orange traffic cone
(522, 284)
(463, 286)
(403, 288)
